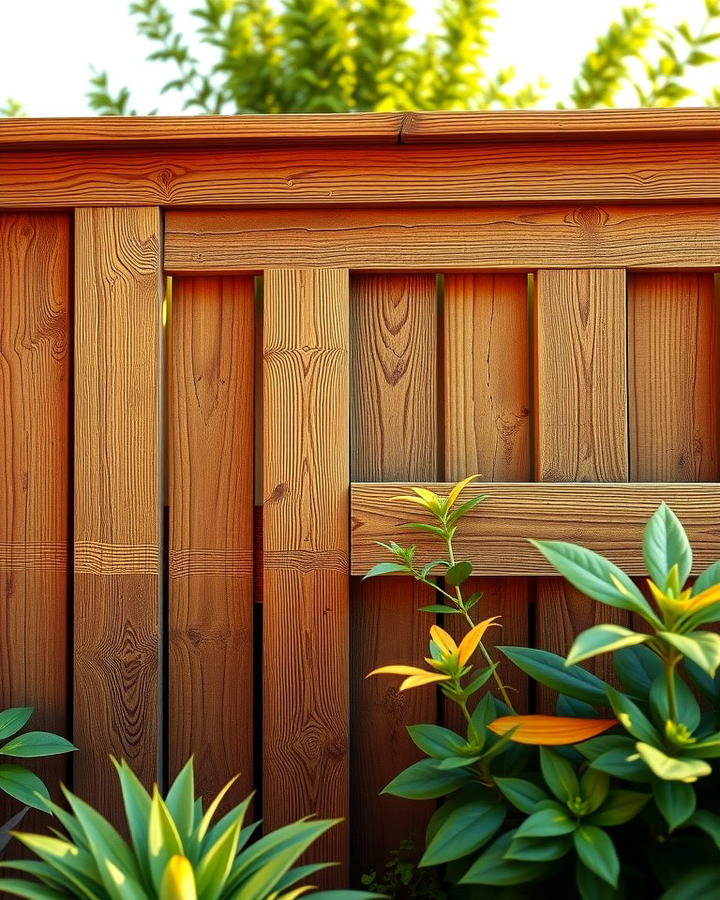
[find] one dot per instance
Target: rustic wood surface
(410, 127)
(493, 237)
(418, 175)
(118, 297)
(34, 448)
(393, 435)
(210, 617)
(673, 377)
(487, 429)
(305, 554)
(608, 518)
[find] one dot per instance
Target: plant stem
(670, 685)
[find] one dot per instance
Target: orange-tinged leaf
(550, 731)
(455, 492)
(704, 598)
(444, 641)
(419, 680)
(469, 643)
(397, 670)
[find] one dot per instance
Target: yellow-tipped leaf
(469, 643)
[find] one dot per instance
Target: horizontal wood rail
(608, 518)
(505, 238)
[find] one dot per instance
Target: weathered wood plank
(211, 467)
(673, 372)
(498, 238)
(305, 553)
(608, 518)
(34, 458)
(393, 435)
(487, 416)
(420, 176)
(118, 328)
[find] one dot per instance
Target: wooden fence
(366, 299)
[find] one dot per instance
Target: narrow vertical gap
(532, 613)
(628, 393)
(257, 685)
(440, 377)
(70, 576)
(164, 394)
(532, 398)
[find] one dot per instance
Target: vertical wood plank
(487, 416)
(118, 340)
(394, 436)
(211, 530)
(305, 552)
(673, 372)
(581, 420)
(34, 457)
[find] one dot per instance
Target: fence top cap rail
(359, 128)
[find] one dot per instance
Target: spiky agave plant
(175, 851)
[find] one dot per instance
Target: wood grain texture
(673, 377)
(305, 610)
(420, 176)
(34, 457)
(487, 416)
(581, 426)
(211, 463)
(118, 299)
(517, 238)
(393, 435)
(608, 518)
(580, 384)
(391, 127)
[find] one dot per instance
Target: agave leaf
(30, 890)
(163, 841)
(123, 887)
(212, 809)
(300, 874)
(78, 871)
(214, 868)
(180, 801)
(136, 801)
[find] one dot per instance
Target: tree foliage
(276, 56)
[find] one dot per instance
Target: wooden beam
(118, 359)
(419, 175)
(305, 555)
(608, 518)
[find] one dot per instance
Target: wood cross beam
(608, 518)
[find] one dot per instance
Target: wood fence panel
(34, 454)
(118, 339)
(673, 375)
(210, 617)
(581, 421)
(393, 436)
(305, 553)
(487, 419)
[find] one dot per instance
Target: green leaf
(688, 710)
(594, 788)
(481, 678)
(622, 764)
(559, 775)
(36, 743)
(539, 849)
(180, 802)
(707, 578)
(464, 831)
(637, 668)
(12, 720)
(550, 670)
(597, 851)
(590, 887)
(385, 568)
(437, 741)
(709, 823)
(602, 639)
(548, 822)
(438, 608)
(675, 800)
(632, 718)
(699, 884)
(595, 747)
(493, 869)
(23, 785)
(163, 841)
(671, 768)
(665, 545)
(620, 807)
(524, 795)
(458, 573)
(31, 890)
(424, 781)
(593, 575)
(214, 867)
(702, 647)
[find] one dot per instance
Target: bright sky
(47, 47)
